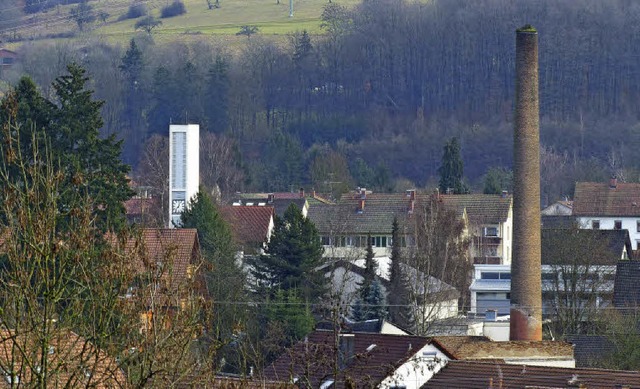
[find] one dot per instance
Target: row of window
(361, 241)
(617, 225)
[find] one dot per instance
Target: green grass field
(198, 23)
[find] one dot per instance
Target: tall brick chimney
(526, 288)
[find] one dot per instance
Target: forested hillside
(373, 100)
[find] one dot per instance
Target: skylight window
(371, 347)
(327, 384)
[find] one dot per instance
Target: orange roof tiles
(72, 361)
(249, 224)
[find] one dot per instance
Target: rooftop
(602, 199)
(249, 224)
(481, 208)
(481, 375)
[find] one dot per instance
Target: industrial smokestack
(526, 288)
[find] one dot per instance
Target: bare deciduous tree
(220, 166)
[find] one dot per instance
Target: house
(344, 227)
(437, 299)
(491, 289)
(559, 208)
(563, 251)
(281, 200)
(327, 359)
(7, 59)
(490, 225)
(612, 206)
(251, 226)
(498, 375)
(71, 361)
(376, 326)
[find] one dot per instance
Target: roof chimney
(360, 206)
(270, 198)
(363, 193)
(526, 287)
(301, 192)
(613, 182)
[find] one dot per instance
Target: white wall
(189, 167)
(607, 223)
(417, 370)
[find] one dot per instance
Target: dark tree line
(385, 87)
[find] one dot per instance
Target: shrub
(135, 11)
(174, 9)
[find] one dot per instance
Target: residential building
(585, 256)
(498, 375)
(251, 225)
(559, 208)
(345, 227)
(328, 359)
(435, 299)
(612, 206)
(68, 360)
(490, 225)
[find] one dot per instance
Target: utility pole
(290, 8)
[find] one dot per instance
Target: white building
(612, 206)
(184, 168)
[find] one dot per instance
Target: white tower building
(184, 168)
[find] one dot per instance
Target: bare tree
(577, 280)
(220, 166)
(441, 260)
(153, 171)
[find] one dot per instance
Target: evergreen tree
(225, 280)
(497, 179)
(292, 258)
(399, 293)
(292, 313)
(301, 47)
(370, 266)
(163, 108)
(372, 303)
(92, 164)
(452, 169)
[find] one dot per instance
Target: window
(637, 225)
(491, 231)
(379, 241)
(495, 276)
(595, 224)
(7, 61)
(326, 241)
(549, 276)
(617, 224)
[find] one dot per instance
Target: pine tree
(370, 266)
(371, 304)
(72, 123)
(292, 258)
(452, 169)
(399, 294)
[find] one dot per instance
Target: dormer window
(491, 231)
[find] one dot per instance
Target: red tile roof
(174, 248)
(72, 361)
(471, 375)
(249, 224)
(313, 360)
(601, 199)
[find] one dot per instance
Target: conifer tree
(72, 122)
(370, 266)
(452, 169)
(399, 294)
(292, 258)
(371, 304)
